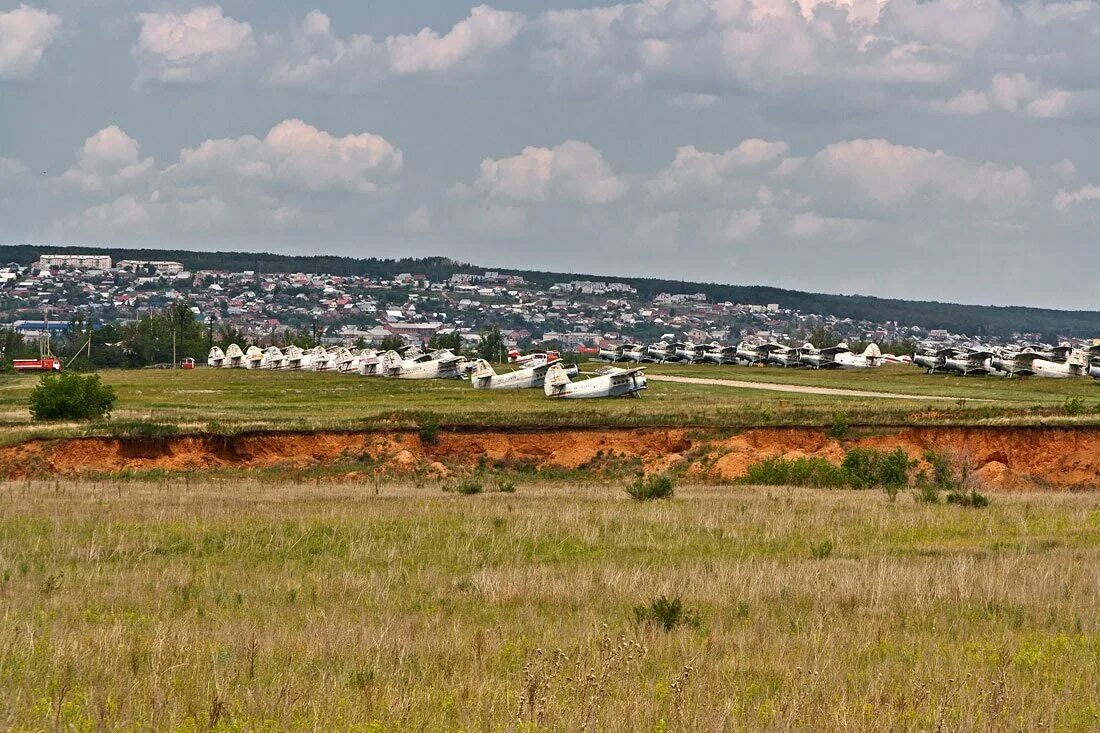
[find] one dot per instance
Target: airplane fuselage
(608, 385)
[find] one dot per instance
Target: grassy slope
(238, 399)
(296, 607)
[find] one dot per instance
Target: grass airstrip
(234, 400)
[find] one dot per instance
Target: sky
(932, 149)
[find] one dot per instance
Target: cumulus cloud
(190, 47)
(25, 34)
(693, 169)
(864, 50)
(277, 182)
(1066, 201)
(734, 226)
(295, 155)
(317, 57)
(761, 45)
(892, 175)
(109, 160)
(1016, 94)
(571, 172)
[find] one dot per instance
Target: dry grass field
(246, 606)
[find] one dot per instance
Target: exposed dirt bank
(1013, 458)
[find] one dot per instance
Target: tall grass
(187, 605)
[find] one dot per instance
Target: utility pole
(173, 347)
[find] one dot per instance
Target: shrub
(839, 428)
(815, 472)
(469, 486)
(506, 486)
(927, 491)
(821, 550)
(647, 488)
(668, 613)
(944, 473)
(71, 397)
(972, 499)
(1075, 406)
(429, 429)
(868, 468)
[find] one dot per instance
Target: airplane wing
(980, 355)
(543, 368)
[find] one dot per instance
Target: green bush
(813, 471)
(469, 486)
(839, 428)
(506, 486)
(870, 468)
(429, 429)
(944, 473)
(668, 613)
(972, 499)
(647, 488)
(1075, 406)
(821, 550)
(71, 397)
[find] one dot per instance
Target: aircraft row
(1061, 362)
(748, 352)
(534, 371)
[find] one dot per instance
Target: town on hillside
(50, 295)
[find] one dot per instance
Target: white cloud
(1066, 201)
(571, 172)
(291, 177)
(127, 214)
(967, 103)
(295, 155)
(1019, 94)
(109, 160)
(1016, 94)
(317, 57)
(764, 45)
(693, 169)
(734, 226)
(190, 47)
(1064, 168)
(892, 175)
(25, 34)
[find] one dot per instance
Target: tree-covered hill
(975, 320)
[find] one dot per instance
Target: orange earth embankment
(1011, 458)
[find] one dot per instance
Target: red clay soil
(1011, 458)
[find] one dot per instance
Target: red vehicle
(44, 364)
(187, 363)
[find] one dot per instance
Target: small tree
(491, 346)
(392, 343)
(71, 397)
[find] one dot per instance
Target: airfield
(248, 550)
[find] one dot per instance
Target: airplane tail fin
(872, 352)
(482, 370)
(556, 378)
